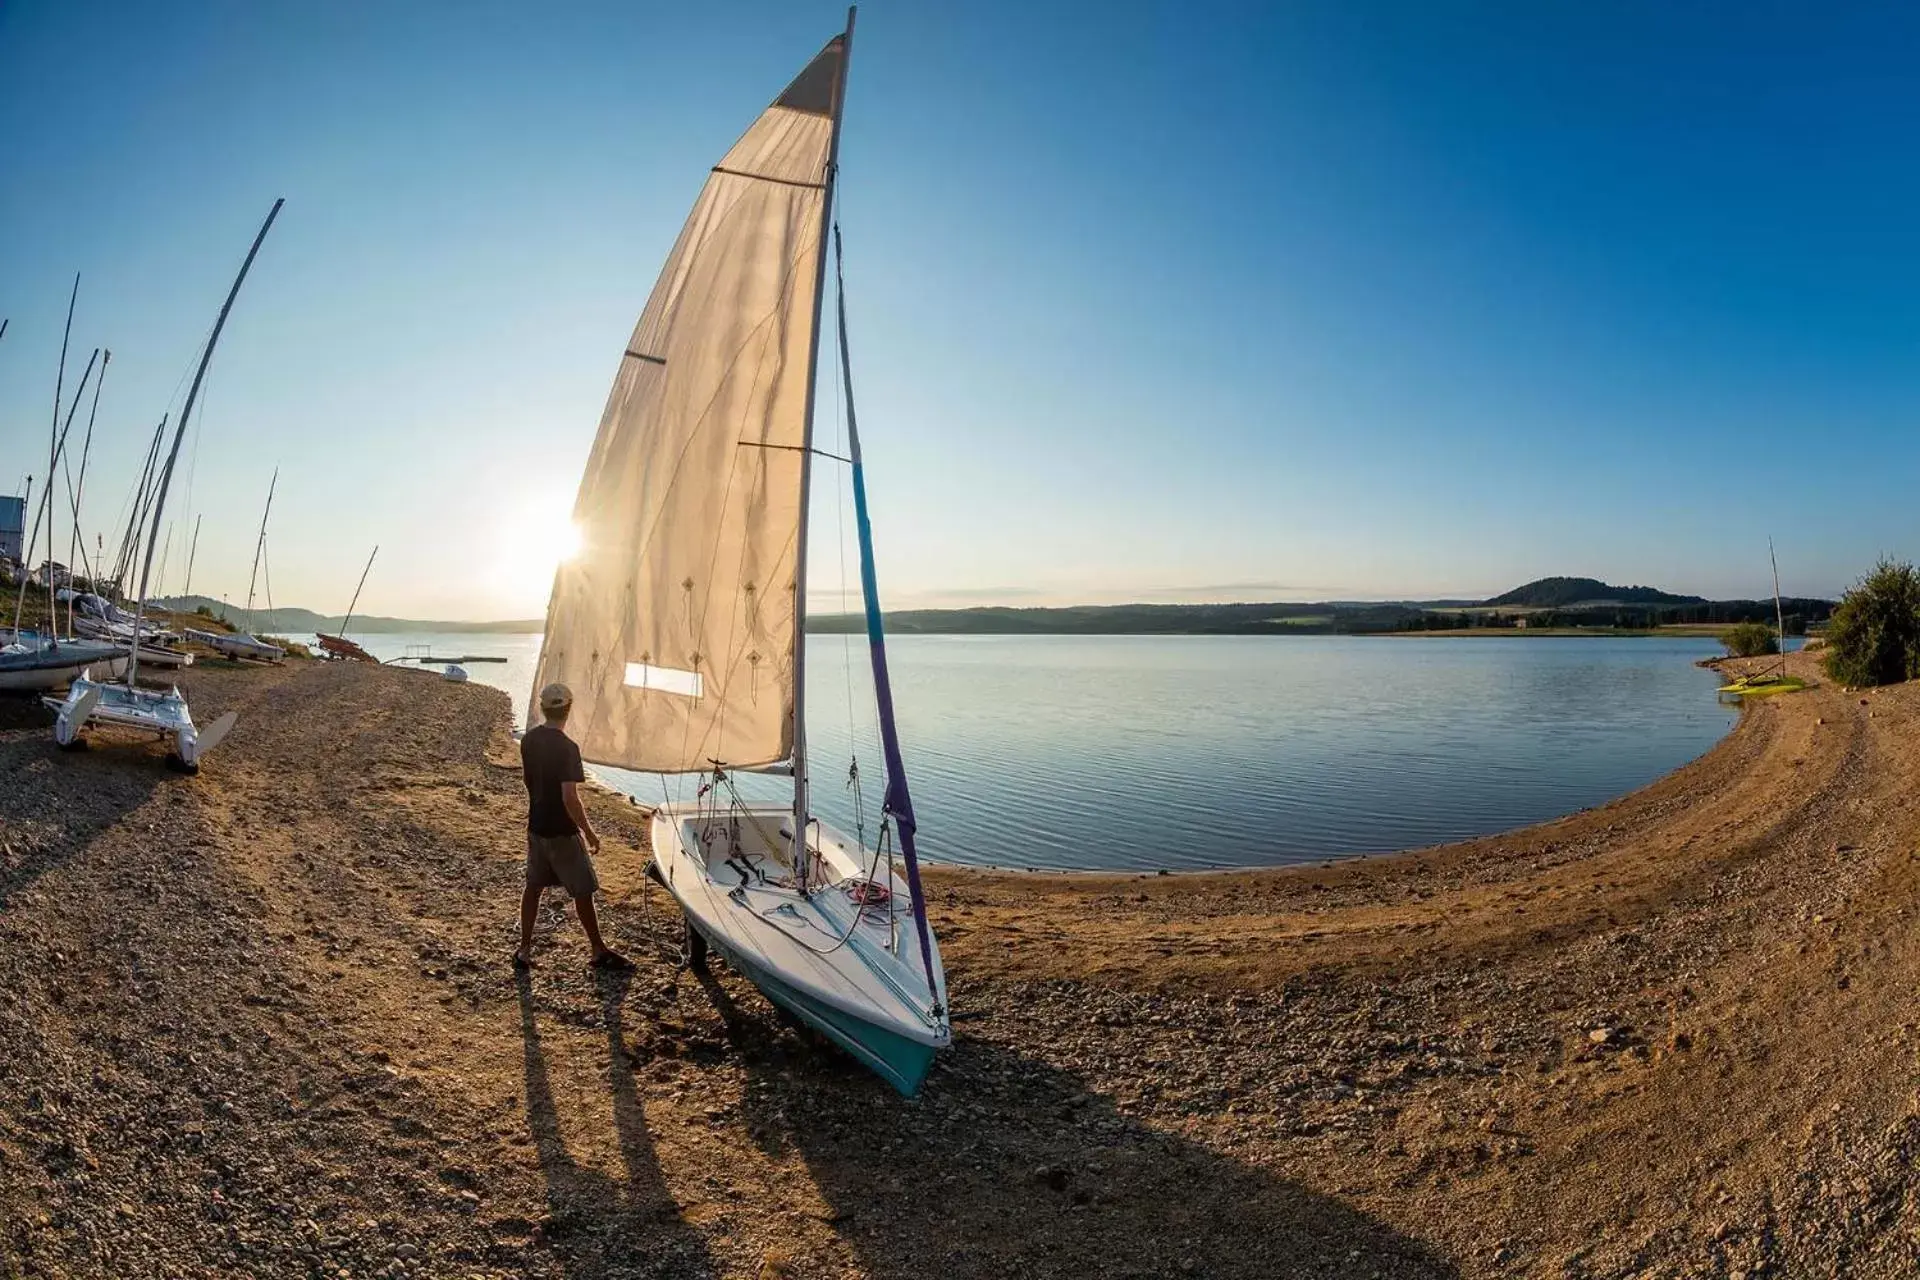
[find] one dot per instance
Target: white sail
(675, 624)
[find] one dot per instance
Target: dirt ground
(261, 1023)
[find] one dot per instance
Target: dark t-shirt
(547, 759)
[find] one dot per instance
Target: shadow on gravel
(1006, 1166)
(645, 1233)
(53, 803)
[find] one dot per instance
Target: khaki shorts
(562, 861)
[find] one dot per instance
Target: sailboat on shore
(244, 644)
(679, 626)
(30, 661)
(338, 646)
(163, 713)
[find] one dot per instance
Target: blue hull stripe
(901, 1062)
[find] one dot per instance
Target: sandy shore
(260, 1023)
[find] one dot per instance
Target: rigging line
(846, 640)
(859, 908)
(57, 461)
(75, 493)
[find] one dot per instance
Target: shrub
(1875, 634)
(293, 647)
(1749, 640)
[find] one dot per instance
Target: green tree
(1749, 640)
(1875, 634)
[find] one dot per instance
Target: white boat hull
(44, 669)
(730, 871)
(239, 646)
(161, 713)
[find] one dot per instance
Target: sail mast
(356, 593)
(260, 546)
(191, 552)
(46, 505)
(53, 447)
(79, 490)
(800, 796)
(123, 558)
(180, 431)
(1779, 618)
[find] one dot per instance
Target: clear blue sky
(1150, 302)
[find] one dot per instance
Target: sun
(536, 539)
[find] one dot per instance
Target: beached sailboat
(244, 644)
(126, 705)
(1762, 684)
(678, 626)
(338, 646)
(29, 661)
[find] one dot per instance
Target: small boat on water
(163, 713)
(677, 627)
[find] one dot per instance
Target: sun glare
(535, 541)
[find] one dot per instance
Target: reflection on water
(1190, 751)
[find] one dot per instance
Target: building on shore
(13, 525)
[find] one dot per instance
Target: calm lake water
(1143, 752)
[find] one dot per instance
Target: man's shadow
(601, 1225)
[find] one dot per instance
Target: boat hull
(38, 679)
(901, 1062)
(239, 646)
(851, 972)
(39, 673)
(161, 713)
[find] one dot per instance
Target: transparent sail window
(642, 675)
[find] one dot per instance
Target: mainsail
(675, 624)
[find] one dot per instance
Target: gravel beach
(261, 1023)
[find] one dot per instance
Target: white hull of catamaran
(851, 969)
(161, 713)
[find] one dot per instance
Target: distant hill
(1133, 619)
(291, 621)
(1565, 593)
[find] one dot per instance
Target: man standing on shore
(560, 837)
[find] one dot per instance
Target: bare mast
(1779, 618)
(800, 796)
(53, 455)
(77, 546)
(356, 593)
(191, 552)
(260, 546)
(180, 431)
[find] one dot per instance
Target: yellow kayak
(1764, 686)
